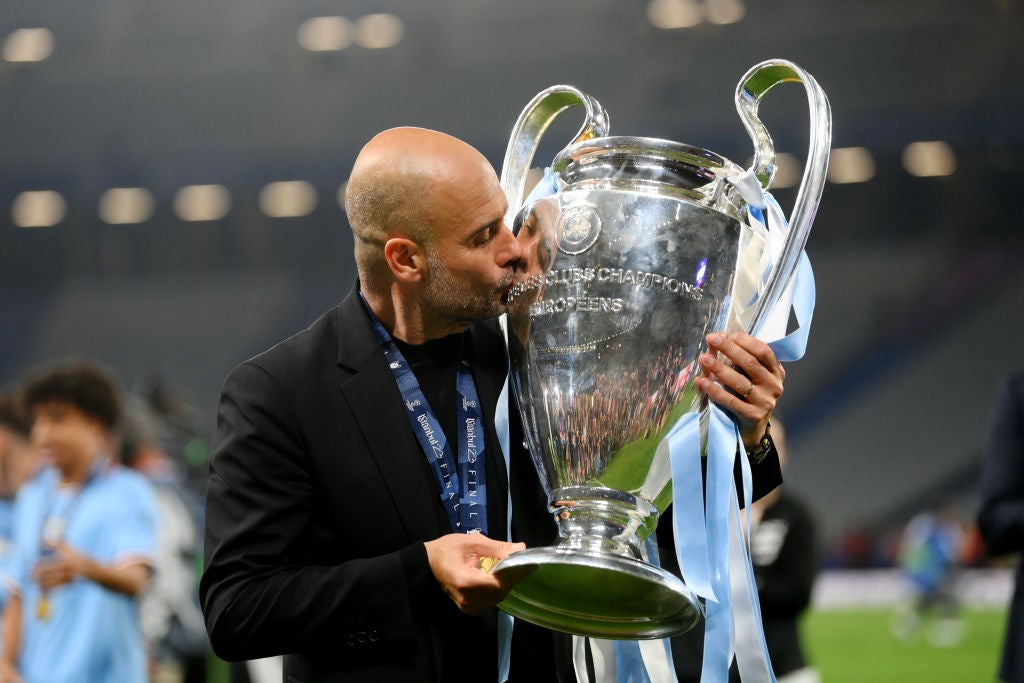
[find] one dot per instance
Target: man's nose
(509, 250)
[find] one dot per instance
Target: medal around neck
(643, 247)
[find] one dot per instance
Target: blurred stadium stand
(920, 288)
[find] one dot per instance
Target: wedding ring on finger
(749, 390)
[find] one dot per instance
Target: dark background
(920, 288)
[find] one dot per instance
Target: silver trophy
(644, 250)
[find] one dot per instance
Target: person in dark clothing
(1001, 514)
(784, 555)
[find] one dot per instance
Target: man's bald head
(391, 189)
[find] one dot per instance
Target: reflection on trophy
(645, 249)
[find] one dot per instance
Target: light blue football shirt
(90, 634)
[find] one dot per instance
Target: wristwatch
(763, 448)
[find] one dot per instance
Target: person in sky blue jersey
(84, 533)
(18, 463)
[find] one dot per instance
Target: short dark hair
(84, 385)
(13, 416)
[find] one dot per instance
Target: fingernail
(716, 338)
(706, 359)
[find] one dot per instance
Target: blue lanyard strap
(57, 516)
(461, 485)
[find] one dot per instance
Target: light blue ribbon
(546, 186)
(505, 620)
(792, 346)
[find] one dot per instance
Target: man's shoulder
(309, 353)
(303, 361)
(301, 344)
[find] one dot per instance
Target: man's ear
(406, 258)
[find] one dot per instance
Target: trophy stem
(602, 520)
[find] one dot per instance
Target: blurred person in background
(929, 555)
(180, 433)
(18, 463)
(18, 459)
(1001, 515)
(172, 623)
(84, 537)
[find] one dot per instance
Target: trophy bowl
(644, 249)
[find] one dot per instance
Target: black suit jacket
(1001, 515)
(320, 499)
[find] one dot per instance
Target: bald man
(358, 482)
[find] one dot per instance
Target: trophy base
(598, 595)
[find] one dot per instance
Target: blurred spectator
(172, 622)
(929, 556)
(18, 460)
(84, 537)
(1001, 516)
(179, 432)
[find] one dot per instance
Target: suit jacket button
(374, 636)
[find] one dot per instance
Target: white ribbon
(501, 426)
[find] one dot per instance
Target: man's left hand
(748, 384)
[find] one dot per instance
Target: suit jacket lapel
(376, 402)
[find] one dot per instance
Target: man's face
(65, 436)
(472, 259)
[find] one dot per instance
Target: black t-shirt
(434, 364)
(465, 643)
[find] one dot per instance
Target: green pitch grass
(859, 647)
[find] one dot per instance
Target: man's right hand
(461, 564)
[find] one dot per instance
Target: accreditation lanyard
(57, 516)
(463, 485)
(56, 521)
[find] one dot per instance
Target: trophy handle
(752, 87)
(542, 110)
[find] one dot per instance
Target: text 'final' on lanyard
(462, 485)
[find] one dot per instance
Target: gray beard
(454, 300)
